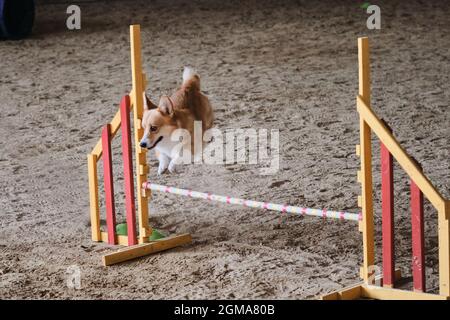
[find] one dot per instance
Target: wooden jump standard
(137, 242)
(420, 185)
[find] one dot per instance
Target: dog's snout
(143, 144)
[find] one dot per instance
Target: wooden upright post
(387, 213)
(444, 248)
(367, 227)
(418, 243)
(93, 198)
(137, 101)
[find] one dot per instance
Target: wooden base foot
(140, 250)
(366, 291)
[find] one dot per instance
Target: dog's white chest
(166, 146)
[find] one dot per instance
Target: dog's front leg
(173, 164)
(179, 156)
(164, 162)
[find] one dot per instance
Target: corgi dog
(179, 111)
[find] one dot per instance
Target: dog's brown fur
(184, 106)
(189, 104)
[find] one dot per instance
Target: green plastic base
(121, 230)
(156, 235)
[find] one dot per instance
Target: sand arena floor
(290, 66)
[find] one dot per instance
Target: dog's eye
(153, 128)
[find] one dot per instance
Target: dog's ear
(148, 104)
(165, 105)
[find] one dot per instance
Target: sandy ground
(290, 66)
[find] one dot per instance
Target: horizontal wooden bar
(140, 250)
(363, 291)
(120, 239)
(401, 155)
(349, 293)
(115, 125)
(382, 293)
(354, 291)
(97, 151)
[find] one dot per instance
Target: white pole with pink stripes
(255, 204)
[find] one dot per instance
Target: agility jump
(137, 240)
(139, 244)
(420, 185)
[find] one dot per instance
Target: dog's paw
(172, 167)
(162, 168)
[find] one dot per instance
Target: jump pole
(254, 204)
